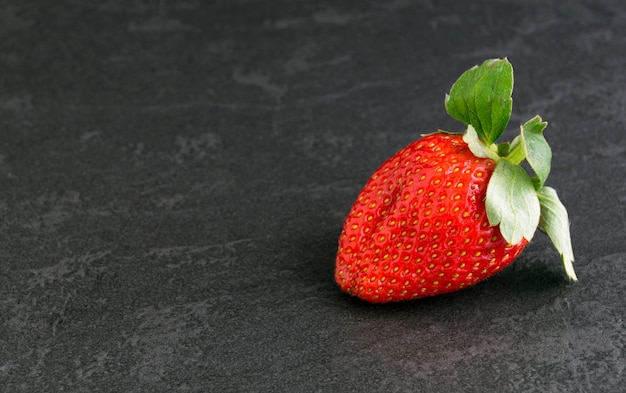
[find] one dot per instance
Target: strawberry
(420, 227)
(450, 210)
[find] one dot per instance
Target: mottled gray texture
(174, 176)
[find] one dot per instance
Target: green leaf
(482, 97)
(554, 222)
(538, 152)
(512, 202)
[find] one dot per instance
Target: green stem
(516, 153)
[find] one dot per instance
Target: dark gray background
(174, 176)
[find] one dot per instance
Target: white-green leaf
(538, 153)
(478, 147)
(554, 222)
(512, 202)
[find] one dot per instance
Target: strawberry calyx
(516, 201)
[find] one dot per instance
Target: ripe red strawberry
(429, 219)
(419, 227)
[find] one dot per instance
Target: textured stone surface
(174, 176)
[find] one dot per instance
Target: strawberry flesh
(419, 226)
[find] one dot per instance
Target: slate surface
(174, 176)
